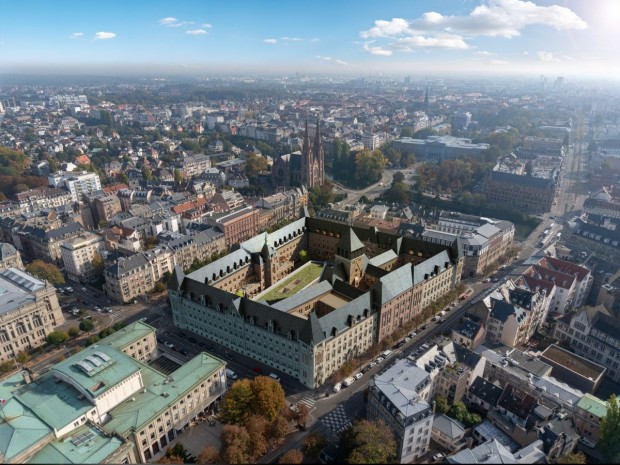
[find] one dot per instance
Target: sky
(357, 37)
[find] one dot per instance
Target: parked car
(97, 309)
(380, 359)
(274, 376)
(185, 352)
(192, 340)
(358, 375)
(407, 339)
(486, 280)
(438, 456)
(425, 326)
(413, 334)
(372, 364)
(366, 369)
(258, 370)
(349, 381)
(168, 344)
(337, 387)
(202, 345)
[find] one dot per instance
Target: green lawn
(293, 283)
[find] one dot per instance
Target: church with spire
(305, 168)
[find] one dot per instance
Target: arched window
(21, 329)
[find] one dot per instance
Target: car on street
(398, 345)
(83, 289)
(434, 318)
(192, 340)
(366, 369)
(97, 309)
(185, 352)
(438, 456)
(424, 326)
(203, 345)
(372, 364)
(358, 375)
(182, 334)
(258, 370)
(486, 280)
(108, 309)
(413, 334)
(168, 344)
(337, 387)
(274, 376)
(143, 319)
(380, 359)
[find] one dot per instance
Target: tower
(306, 160)
(318, 157)
(426, 100)
(350, 252)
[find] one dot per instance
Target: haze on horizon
(395, 37)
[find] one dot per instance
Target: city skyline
(554, 37)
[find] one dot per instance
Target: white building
(399, 397)
(370, 141)
(78, 254)
(76, 183)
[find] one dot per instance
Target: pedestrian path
(337, 420)
(309, 402)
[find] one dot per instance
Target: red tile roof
(564, 267)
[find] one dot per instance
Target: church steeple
(318, 157)
(306, 160)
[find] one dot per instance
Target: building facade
(78, 255)
(10, 257)
(76, 183)
(520, 192)
(29, 311)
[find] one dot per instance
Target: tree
(236, 405)
(254, 165)
(257, 426)
(98, 264)
(171, 459)
(292, 456)
(94, 339)
(73, 332)
(609, 426)
(150, 242)
(398, 177)
(369, 167)
(7, 366)
(313, 444)
(301, 416)
(147, 174)
(56, 338)
(209, 455)
(86, 325)
(304, 256)
(278, 427)
(577, 457)
(235, 444)
(178, 176)
(159, 287)
(368, 442)
(47, 271)
(23, 357)
(441, 405)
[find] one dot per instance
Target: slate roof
(486, 391)
(393, 284)
(453, 429)
(522, 180)
(488, 452)
(467, 328)
(349, 241)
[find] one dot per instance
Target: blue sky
(357, 37)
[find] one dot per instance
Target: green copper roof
(20, 429)
(85, 444)
(593, 405)
(57, 404)
(142, 407)
(97, 368)
(132, 332)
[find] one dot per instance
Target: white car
(337, 387)
(358, 375)
(97, 309)
(170, 345)
(372, 364)
(380, 359)
(83, 289)
(438, 456)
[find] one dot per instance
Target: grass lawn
(293, 283)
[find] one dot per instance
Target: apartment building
(104, 406)
(287, 205)
(525, 193)
(587, 417)
(593, 334)
(77, 183)
(42, 197)
(29, 311)
(583, 277)
(45, 244)
(400, 398)
(106, 207)
(78, 254)
(200, 246)
(237, 225)
(193, 165)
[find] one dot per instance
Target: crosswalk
(309, 402)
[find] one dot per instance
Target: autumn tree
(292, 456)
(313, 444)
(257, 427)
(86, 325)
(97, 264)
(301, 415)
(56, 338)
(577, 457)
(209, 455)
(254, 165)
(260, 396)
(23, 356)
(609, 426)
(73, 332)
(235, 444)
(369, 167)
(368, 442)
(47, 271)
(441, 405)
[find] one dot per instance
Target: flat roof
(130, 333)
(333, 300)
(575, 363)
(85, 444)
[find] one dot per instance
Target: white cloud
(104, 35)
(499, 62)
(76, 35)
(484, 53)
(377, 50)
(196, 32)
(167, 21)
(174, 22)
(546, 56)
(207, 25)
(334, 60)
(494, 18)
(270, 41)
(291, 39)
(315, 39)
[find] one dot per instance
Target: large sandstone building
(306, 320)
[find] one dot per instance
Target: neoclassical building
(358, 287)
(305, 168)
